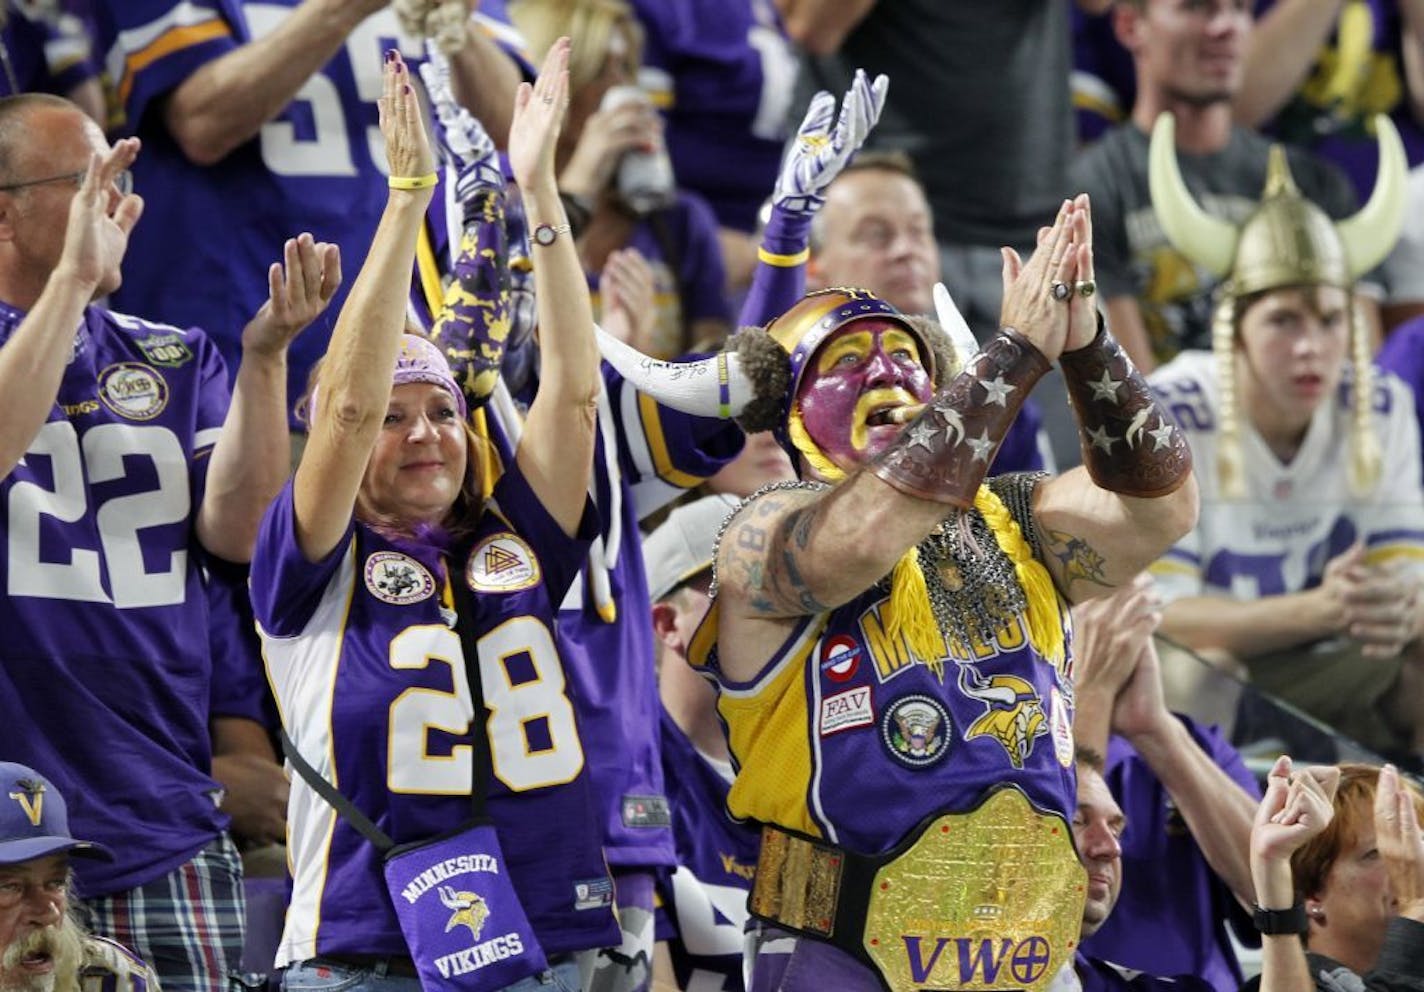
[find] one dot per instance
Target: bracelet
(413, 182)
(783, 261)
(1274, 922)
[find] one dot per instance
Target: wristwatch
(545, 234)
(1273, 922)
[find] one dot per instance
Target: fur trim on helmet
(768, 367)
(947, 361)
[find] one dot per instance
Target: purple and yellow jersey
(108, 966)
(1104, 82)
(606, 636)
(846, 736)
(492, 17)
(104, 612)
(722, 72)
(208, 235)
(703, 909)
(48, 53)
(1172, 915)
(372, 686)
(1359, 72)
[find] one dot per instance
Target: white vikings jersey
(1295, 517)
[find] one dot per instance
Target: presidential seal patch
(916, 730)
(502, 563)
(133, 391)
(397, 579)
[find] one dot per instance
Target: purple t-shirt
(105, 670)
(372, 686)
(1172, 915)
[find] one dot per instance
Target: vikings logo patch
(133, 391)
(397, 579)
(916, 730)
(840, 658)
(1013, 713)
(466, 910)
(502, 563)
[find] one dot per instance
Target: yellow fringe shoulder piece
(1045, 620)
(909, 613)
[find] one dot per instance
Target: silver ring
(1060, 291)
(1087, 287)
(547, 99)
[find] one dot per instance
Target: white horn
(1369, 235)
(1209, 241)
(949, 317)
(712, 387)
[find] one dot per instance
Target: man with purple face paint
(888, 636)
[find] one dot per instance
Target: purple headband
(420, 361)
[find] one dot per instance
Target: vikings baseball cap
(682, 547)
(34, 822)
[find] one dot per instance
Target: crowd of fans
(495, 498)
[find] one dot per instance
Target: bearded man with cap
(42, 948)
(889, 636)
(1305, 563)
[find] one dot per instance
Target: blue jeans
(328, 976)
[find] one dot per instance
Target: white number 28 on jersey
(533, 736)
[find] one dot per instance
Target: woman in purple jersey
(373, 691)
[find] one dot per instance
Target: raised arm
(224, 103)
(252, 458)
(354, 388)
(556, 451)
(33, 360)
(1135, 494)
(821, 26)
(1285, 43)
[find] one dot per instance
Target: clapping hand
(629, 303)
(402, 123)
(1038, 294)
(299, 289)
(463, 141)
(825, 143)
(100, 218)
(1399, 843)
(538, 117)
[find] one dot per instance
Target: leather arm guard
(1131, 445)
(945, 452)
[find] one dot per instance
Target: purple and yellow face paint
(864, 370)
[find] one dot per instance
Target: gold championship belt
(991, 899)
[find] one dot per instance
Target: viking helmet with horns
(1287, 241)
(756, 378)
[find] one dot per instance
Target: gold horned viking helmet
(1287, 241)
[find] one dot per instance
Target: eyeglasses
(123, 182)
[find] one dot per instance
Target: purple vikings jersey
(1097, 975)
(371, 683)
(48, 54)
(846, 736)
(106, 665)
(201, 254)
(704, 901)
(722, 72)
(1172, 915)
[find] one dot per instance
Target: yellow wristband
(413, 182)
(783, 261)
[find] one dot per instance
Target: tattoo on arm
(1077, 559)
(769, 566)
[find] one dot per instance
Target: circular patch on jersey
(502, 563)
(1062, 728)
(397, 579)
(133, 390)
(840, 658)
(915, 730)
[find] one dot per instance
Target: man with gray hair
(42, 948)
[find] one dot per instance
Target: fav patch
(502, 563)
(397, 579)
(846, 710)
(166, 349)
(594, 893)
(133, 390)
(1062, 728)
(840, 658)
(916, 730)
(646, 811)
